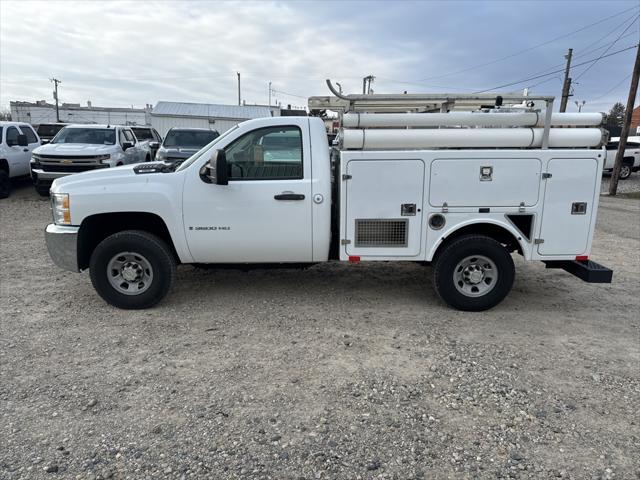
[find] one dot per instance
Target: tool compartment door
(384, 200)
(485, 182)
(569, 198)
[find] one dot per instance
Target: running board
(589, 271)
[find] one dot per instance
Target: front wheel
(132, 269)
(474, 273)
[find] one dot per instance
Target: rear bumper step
(589, 271)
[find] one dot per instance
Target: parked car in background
(149, 137)
(17, 141)
(631, 159)
(180, 143)
(78, 148)
(46, 131)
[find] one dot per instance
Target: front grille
(58, 158)
(61, 167)
(381, 232)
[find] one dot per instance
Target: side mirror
(126, 145)
(154, 145)
(222, 174)
(22, 140)
(215, 170)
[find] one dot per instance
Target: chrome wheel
(129, 273)
(475, 276)
(625, 171)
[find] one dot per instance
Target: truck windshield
(204, 151)
(143, 133)
(189, 138)
(48, 130)
(93, 136)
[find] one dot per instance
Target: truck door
(17, 156)
(264, 214)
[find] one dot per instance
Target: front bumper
(62, 243)
(45, 179)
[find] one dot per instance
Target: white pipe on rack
(478, 119)
(374, 139)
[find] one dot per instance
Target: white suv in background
(631, 159)
(17, 142)
(78, 148)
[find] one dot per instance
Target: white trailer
(459, 182)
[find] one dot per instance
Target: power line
(556, 71)
(612, 88)
(602, 54)
(530, 48)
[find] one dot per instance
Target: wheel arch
(96, 228)
(4, 165)
(501, 232)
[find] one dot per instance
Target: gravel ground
(338, 372)
(631, 184)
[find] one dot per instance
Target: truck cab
(17, 141)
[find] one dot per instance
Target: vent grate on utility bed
(381, 232)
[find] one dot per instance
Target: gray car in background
(180, 143)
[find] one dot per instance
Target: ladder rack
(411, 115)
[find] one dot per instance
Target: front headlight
(35, 158)
(102, 158)
(60, 207)
(161, 154)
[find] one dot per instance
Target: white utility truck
(458, 181)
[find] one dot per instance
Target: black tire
(147, 158)
(625, 171)
(5, 184)
(151, 249)
(455, 254)
(43, 191)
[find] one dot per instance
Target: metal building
(43, 112)
(166, 115)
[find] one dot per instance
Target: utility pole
(566, 85)
(269, 93)
(55, 95)
(580, 105)
(239, 102)
(633, 90)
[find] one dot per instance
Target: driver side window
(271, 153)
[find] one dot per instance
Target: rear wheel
(5, 184)
(474, 273)
(625, 171)
(132, 269)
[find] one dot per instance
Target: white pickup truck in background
(80, 148)
(270, 191)
(631, 159)
(17, 142)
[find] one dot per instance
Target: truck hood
(74, 149)
(96, 178)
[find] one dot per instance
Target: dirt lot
(339, 371)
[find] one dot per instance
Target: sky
(119, 54)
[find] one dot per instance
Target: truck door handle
(25, 149)
(289, 196)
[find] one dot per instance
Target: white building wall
(36, 115)
(162, 123)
